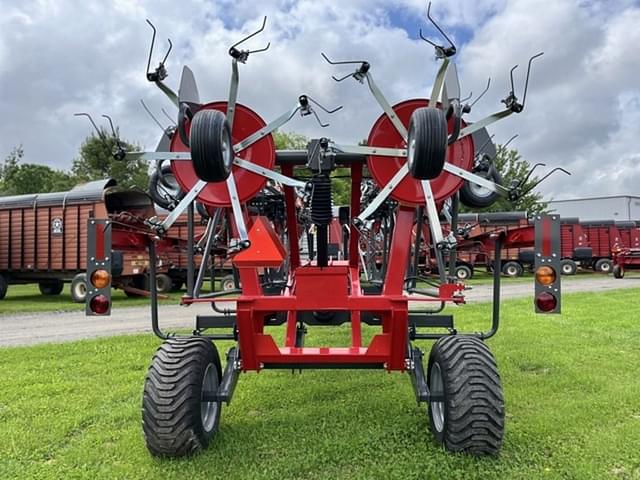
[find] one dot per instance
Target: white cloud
(59, 57)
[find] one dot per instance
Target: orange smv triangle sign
(266, 249)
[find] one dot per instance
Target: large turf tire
(475, 196)
(4, 285)
(427, 143)
(51, 287)
(211, 145)
(618, 271)
(512, 269)
(164, 188)
(604, 265)
(568, 267)
(173, 415)
(470, 417)
(78, 288)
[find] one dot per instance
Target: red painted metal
(266, 249)
(262, 153)
(384, 134)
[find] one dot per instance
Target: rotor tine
(323, 108)
(346, 62)
(113, 130)
(526, 85)
(342, 78)
(166, 55)
(510, 140)
(468, 97)
(483, 92)
(438, 27)
(526, 179)
(153, 41)
(264, 23)
(426, 39)
(98, 131)
(513, 89)
(144, 105)
(169, 117)
(323, 125)
(261, 49)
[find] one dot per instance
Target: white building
(617, 207)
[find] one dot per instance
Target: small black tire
(604, 265)
(618, 271)
(227, 283)
(164, 189)
(427, 143)
(51, 287)
(211, 145)
(4, 285)
(512, 269)
(470, 417)
(78, 288)
(164, 284)
(175, 420)
(475, 196)
(464, 272)
(568, 267)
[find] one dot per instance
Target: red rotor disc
(262, 153)
(409, 190)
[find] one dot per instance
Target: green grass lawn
(571, 385)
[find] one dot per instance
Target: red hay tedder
(420, 154)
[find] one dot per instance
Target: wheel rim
(411, 154)
(437, 388)
(478, 190)
(227, 154)
(209, 410)
(567, 269)
(511, 271)
(463, 274)
(228, 285)
(605, 267)
(81, 290)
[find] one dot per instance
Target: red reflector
(546, 302)
(99, 304)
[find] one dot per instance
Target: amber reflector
(100, 279)
(545, 275)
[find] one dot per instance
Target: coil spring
(321, 212)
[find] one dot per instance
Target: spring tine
(153, 41)
(526, 179)
(113, 130)
(264, 23)
(468, 97)
(438, 27)
(144, 105)
(346, 62)
(483, 92)
(513, 89)
(510, 140)
(427, 40)
(166, 55)
(526, 84)
(323, 108)
(98, 131)
(261, 49)
(323, 125)
(169, 117)
(342, 78)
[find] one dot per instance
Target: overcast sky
(58, 57)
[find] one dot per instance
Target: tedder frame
(419, 154)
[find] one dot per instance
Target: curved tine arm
(513, 88)
(526, 179)
(341, 79)
(323, 125)
(426, 39)
(345, 62)
(544, 178)
(483, 92)
(467, 98)
(323, 108)
(526, 84)
(157, 122)
(169, 117)
(264, 23)
(510, 140)
(166, 55)
(261, 49)
(153, 41)
(438, 27)
(98, 131)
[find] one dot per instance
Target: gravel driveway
(29, 329)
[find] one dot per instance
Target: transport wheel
(512, 269)
(618, 271)
(604, 265)
(164, 284)
(51, 287)
(227, 283)
(470, 417)
(427, 143)
(175, 420)
(568, 267)
(464, 272)
(79, 288)
(164, 188)
(211, 146)
(3, 287)
(475, 196)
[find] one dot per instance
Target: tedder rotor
(420, 153)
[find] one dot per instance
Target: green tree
(17, 178)
(290, 141)
(513, 167)
(96, 162)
